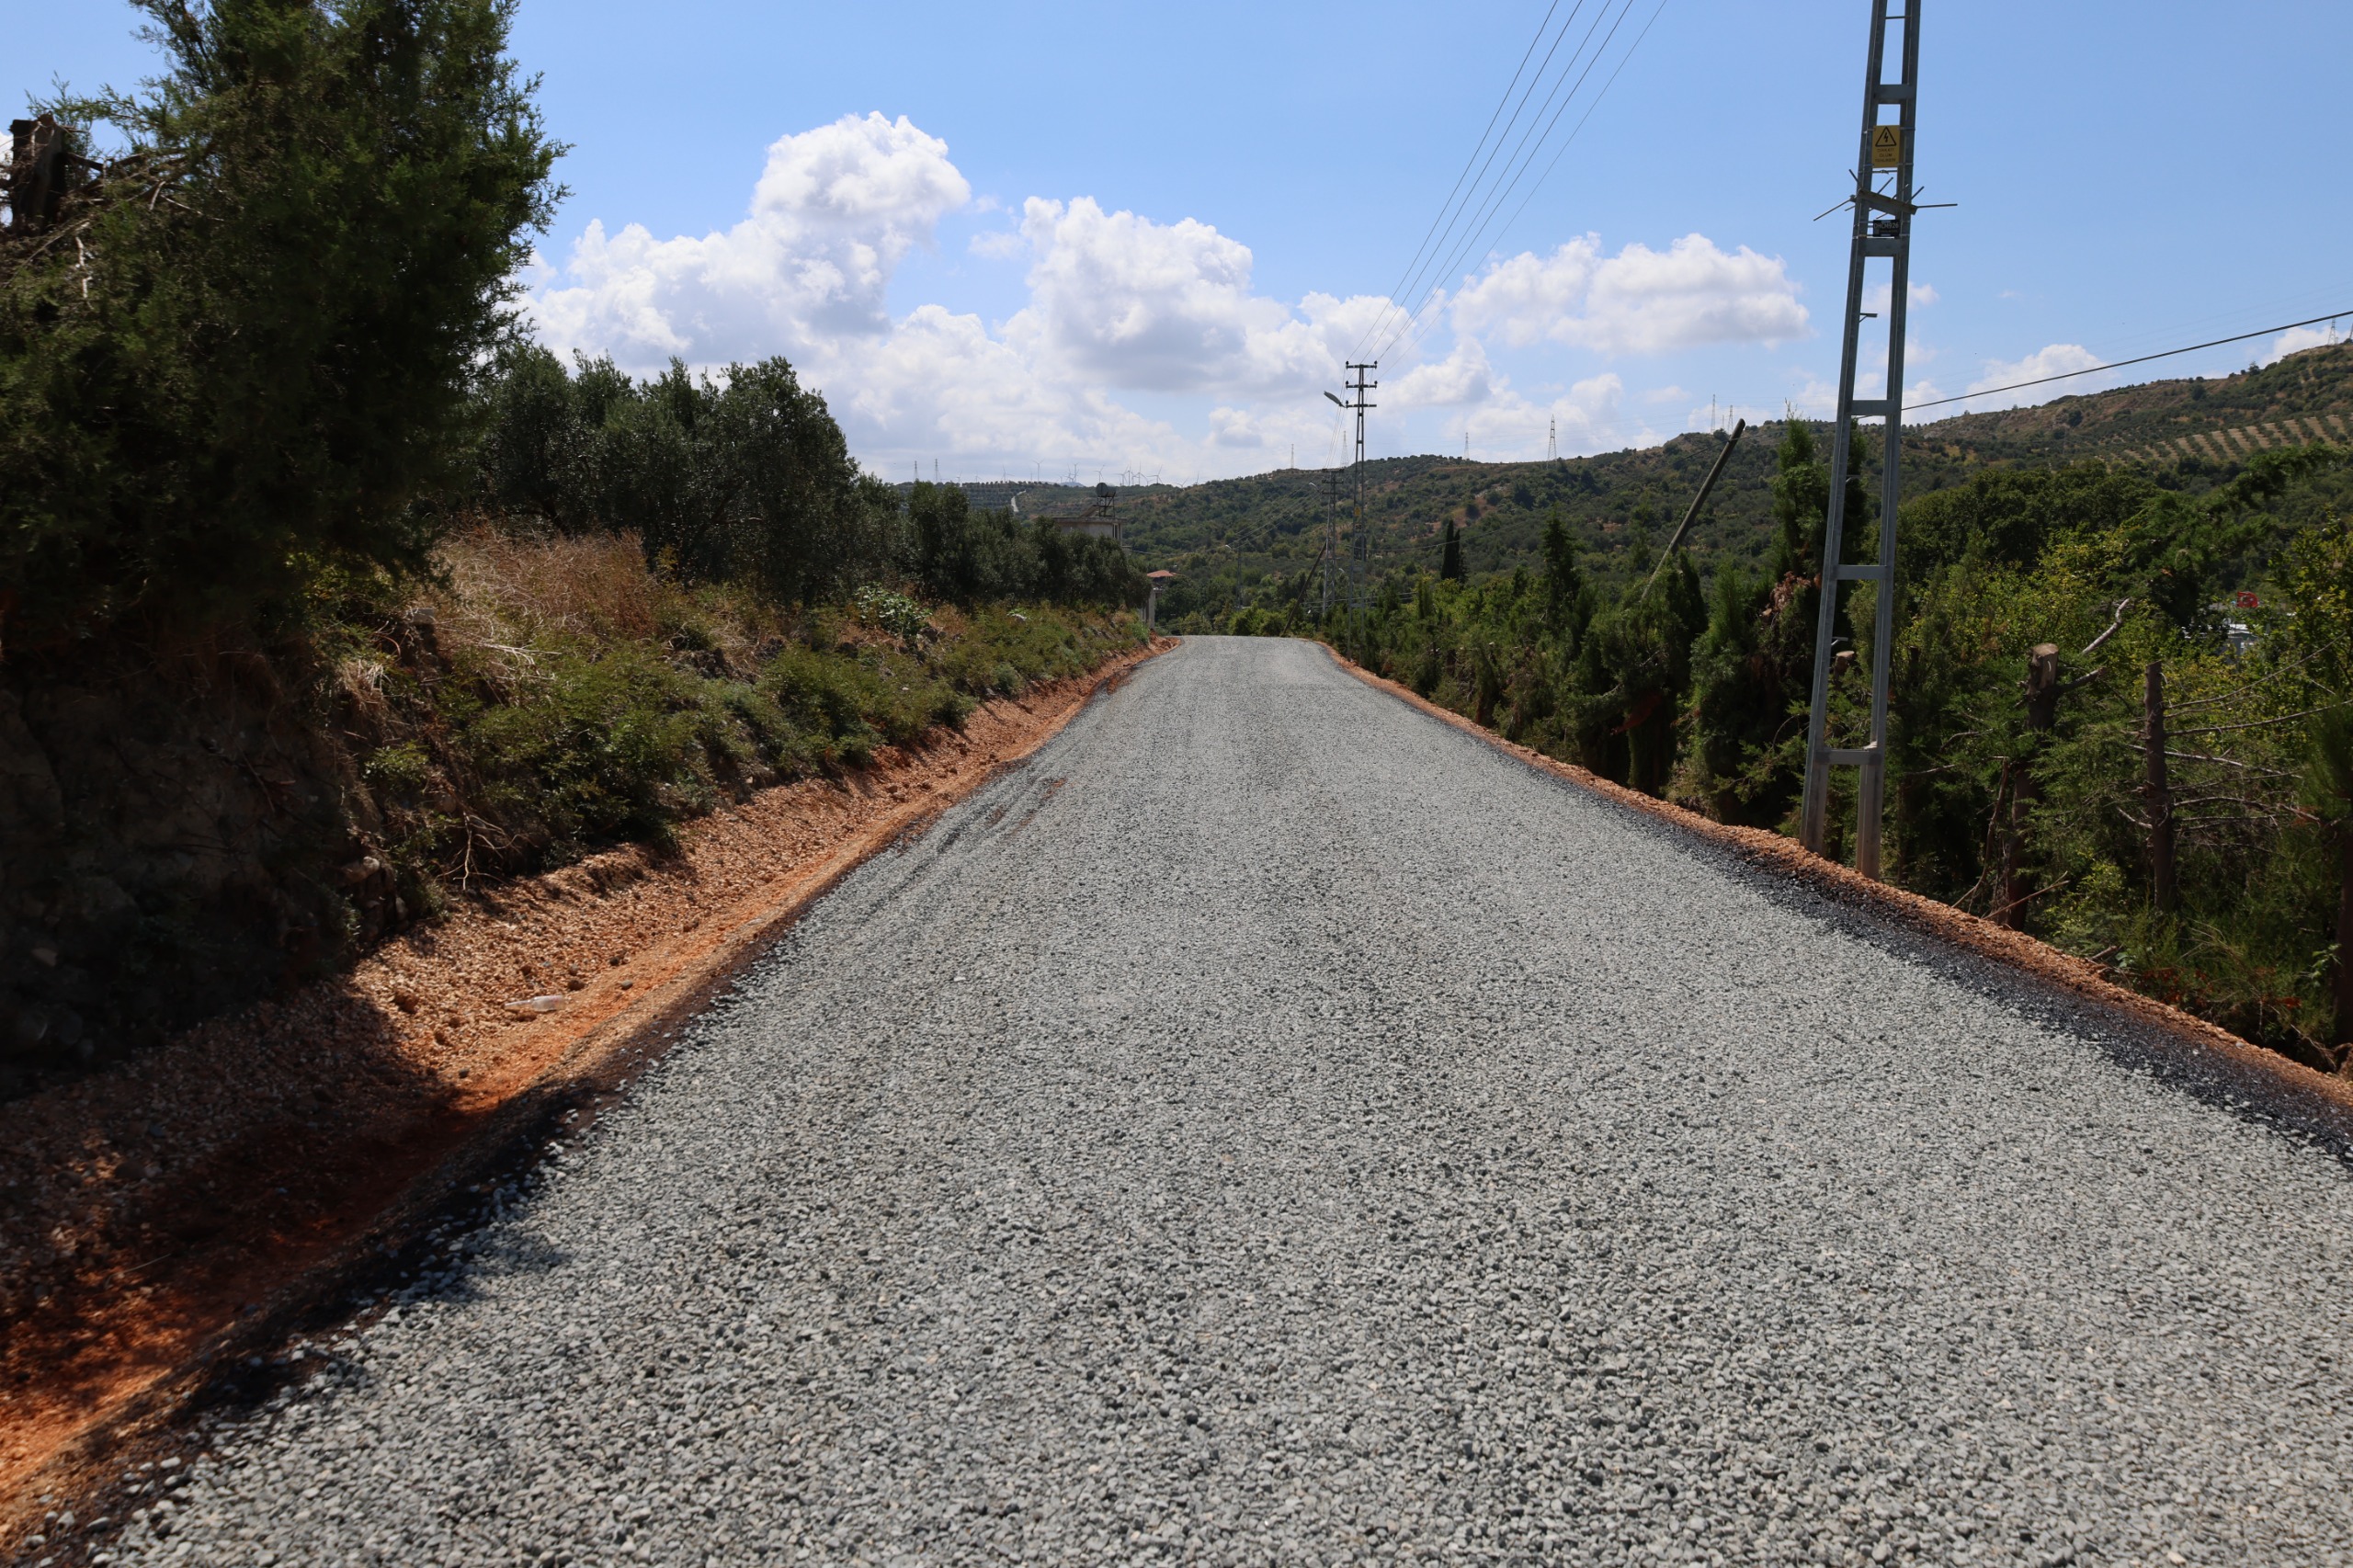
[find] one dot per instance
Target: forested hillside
(2121, 715)
(1247, 541)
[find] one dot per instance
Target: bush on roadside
(552, 695)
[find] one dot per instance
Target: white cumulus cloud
(1462, 377)
(2296, 339)
(835, 210)
(2053, 360)
(1640, 300)
(1876, 297)
(1158, 306)
(1587, 417)
(1118, 306)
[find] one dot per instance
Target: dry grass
(506, 591)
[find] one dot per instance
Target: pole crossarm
(1886, 148)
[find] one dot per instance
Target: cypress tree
(258, 352)
(1563, 579)
(1450, 561)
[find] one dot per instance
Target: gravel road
(1271, 1126)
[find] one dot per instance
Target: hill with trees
(2121, 715)
(1251, 541)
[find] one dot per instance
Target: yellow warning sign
(1887, 147)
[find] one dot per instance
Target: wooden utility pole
(1723, 455)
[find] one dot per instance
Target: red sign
(2247, 600)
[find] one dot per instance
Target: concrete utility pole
(1359, 555)
(1882, 230)
(1723, 455)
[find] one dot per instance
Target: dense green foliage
(1245, 541)
(745, 477)
(967, 557)
(245, 351)
(2019, 789)
(740, 477)
(552, 694)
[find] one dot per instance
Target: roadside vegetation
(544, 694)
(287, 492)
(2122, 717)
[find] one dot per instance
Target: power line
(1430, 277)
(1518, 166)
(2143, 360)
(1485, 229)
(1480, 238)
(1579, 127)
(1413, 289)
(1443, 207)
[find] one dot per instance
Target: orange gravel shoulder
(1786, 857)
(158, 1215)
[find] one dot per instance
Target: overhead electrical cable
(1413, 289)
(1447, 204)
(1483, 229)
(1479, 236)
(1579, 127)
(1434, 269)
(2120, 364)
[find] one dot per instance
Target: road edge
(597, 1069)
(1768, 852)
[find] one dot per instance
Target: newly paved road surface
(1272, 1127)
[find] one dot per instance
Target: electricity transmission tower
(1882, 230)
(1331, 532)
(1357, 553)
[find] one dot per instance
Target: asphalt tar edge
(246, 1362)
(2074, 993)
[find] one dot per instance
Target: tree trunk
(2158, 794)
(2015, 888)
(2341, 1032)
(2042, 687)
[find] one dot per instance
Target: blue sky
(1117, 239)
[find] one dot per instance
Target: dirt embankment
(162, 1214)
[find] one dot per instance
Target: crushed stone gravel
(1273, 1128)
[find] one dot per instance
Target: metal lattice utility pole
(1882, 230)
(1357, 553)
(1331, 532)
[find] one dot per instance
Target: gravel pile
(1273, 1128)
